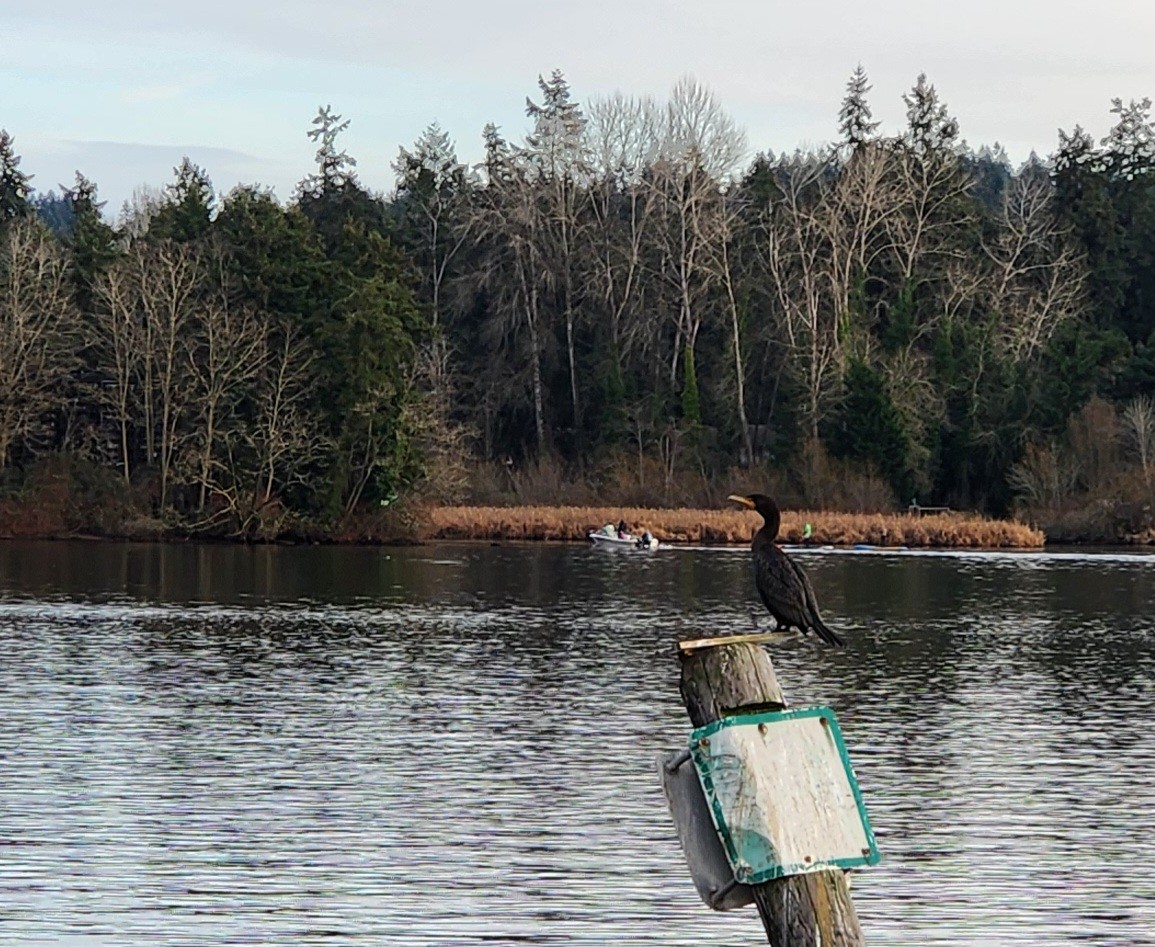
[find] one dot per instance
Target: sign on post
(782, 794)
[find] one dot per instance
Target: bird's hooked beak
(741, 501)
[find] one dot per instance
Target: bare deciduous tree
(727, 269)
(274, 448)
(440, 440)
(38, 331)
(794, 250)
(167, 276)
(506, 224)
(285, 429)
(930, 185)
(1139, 427)
(1044, 478)
(224, 346)
(117, 337)
(1037, 280)
(699, 151)
(623, 136)
(861, 198)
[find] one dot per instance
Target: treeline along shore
(628, 301)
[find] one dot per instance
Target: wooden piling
(720, 679)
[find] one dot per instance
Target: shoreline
(731, 527)
(421, 524)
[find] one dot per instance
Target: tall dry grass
(814, 480)
(720, 526)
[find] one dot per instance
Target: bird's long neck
(773, 520)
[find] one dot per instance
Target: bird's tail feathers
(827, 635)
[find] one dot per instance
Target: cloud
(125, 166)
(157, 93)
(245, 78)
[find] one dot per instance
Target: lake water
(454, 744)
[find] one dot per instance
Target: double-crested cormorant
(782, 585)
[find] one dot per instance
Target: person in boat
(646, 540)
(781, 583)
(623, 529)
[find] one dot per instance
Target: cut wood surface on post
(808, 910)
(761, 637)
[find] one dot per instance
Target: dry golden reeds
(954, 530)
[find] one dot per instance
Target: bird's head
(755, 501)
(760, 503)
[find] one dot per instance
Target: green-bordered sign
(782, 794)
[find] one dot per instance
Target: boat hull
(617, 542)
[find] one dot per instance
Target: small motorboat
(608, 536)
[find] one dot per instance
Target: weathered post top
(722, 677)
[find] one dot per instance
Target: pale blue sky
(122, 90)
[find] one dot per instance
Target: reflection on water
(454, 744)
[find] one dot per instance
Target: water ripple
(456, 745)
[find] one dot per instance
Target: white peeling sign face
(782, 794)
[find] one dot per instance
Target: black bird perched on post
(782, 585)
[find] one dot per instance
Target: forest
(627, 305)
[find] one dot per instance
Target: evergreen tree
(990, 169)
(930, 128)
(332, 197)
(430, 206)
(54, 211)
(367, 341)
(187, 211)
(1129, 148)
(558, 170)
(93, 242)
(276, 258)
(334, 167)
(556, 146)
(496, 162)
(15, 186)
(869, 428)
(1083, 197)
(691, 402)
(854, 118)
(1128, 154)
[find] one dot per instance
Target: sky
(123, 90)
